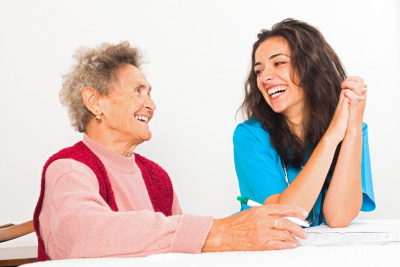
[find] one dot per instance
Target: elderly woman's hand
(258, 228)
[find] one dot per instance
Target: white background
(198, 55)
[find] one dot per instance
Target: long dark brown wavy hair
(319, 73)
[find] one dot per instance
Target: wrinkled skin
(254, 230)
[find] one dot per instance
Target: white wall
(199, 54)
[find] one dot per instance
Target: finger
(282, 235)
(350, 94)
(278, 245)
(363, 91)
(353, 98)
(286, 210)
(354, 86)
(345, 105)
(351, 84)
(356, 79)
(294, 229)
(362, 98)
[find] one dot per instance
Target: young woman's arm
(344, 197)
(305, 188)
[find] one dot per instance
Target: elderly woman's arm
(76, 222)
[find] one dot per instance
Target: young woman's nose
(267, 75)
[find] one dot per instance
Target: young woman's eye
(258, 72)
(279, 63)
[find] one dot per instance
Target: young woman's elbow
(338, 223)
(340, 220)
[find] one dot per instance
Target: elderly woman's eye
(137, 90)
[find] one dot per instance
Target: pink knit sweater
(75, 221)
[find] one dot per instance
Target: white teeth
(142, 118)
(274, 95)
(273, 91)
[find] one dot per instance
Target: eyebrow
(271, 57)
(279, 54)
(143, 86)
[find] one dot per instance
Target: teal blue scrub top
(261, 174)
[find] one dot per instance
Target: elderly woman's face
(274, 71)
(128, 108)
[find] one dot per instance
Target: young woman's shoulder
(251, 132)
(251, 127)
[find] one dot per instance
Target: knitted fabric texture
(156, 179)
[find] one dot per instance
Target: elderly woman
(99, 199)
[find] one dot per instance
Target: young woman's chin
(278, 108)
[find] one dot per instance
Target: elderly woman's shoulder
(68, 169)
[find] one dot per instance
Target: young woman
(304, 141)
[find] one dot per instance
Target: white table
(347, 255)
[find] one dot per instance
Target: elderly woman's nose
(149, 104)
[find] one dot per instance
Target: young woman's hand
(355, 84)
(338, 126)
(356, 89)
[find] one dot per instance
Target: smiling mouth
(276, 90)
(142, 118)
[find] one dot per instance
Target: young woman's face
(274, 77)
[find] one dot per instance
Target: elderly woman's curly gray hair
(96, 68)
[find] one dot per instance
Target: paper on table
(362, 226)
(358, 232)
(335, 239)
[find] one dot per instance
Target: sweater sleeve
(76, 222)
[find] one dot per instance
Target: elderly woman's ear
(91, 99)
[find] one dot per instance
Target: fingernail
(295, 245)
(305, 234)
(304, 213)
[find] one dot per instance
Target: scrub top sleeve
(366, 176)
(256, 167)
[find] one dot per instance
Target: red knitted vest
(157, 182)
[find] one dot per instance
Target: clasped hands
(349, 113)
